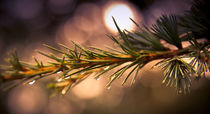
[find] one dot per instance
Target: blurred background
(27, 24)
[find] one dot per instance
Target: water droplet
(59, 80)
(109, 87)
(112, 78)
(67, 77)
(179, 91)
(58, 72)
(63, 91)
(97, 78)
(106, 68)
(82, 73)
(32, 82)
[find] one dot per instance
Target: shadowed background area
(27, 24)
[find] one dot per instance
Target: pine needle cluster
(137, 48)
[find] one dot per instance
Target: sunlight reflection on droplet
(97, 78)
(59, 80)
(58, 72)
(121, 11)
(32, 82)
(82, 73)
(106, 68)
(67, 77)
(63, 91)
(108, 88)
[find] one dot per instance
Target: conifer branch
(137, 49)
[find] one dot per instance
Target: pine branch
(83, 65)
(137, 49)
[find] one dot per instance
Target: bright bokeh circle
(122, 12)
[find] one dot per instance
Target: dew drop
(179, 91)
(58, 72)
(97, 78)
(112, 78)
(32, 82)
(67, 77)
(108, 88)
(106, 68)
(59, 80)
(82, 73)
(63, 91)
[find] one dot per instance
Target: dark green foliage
(14, 61)
(177, 74)
(166, 28)
(197, 20)
(144, 39)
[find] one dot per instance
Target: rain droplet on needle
(106, 68)
(97, 78)
(108, 88)
(59, 80)
(58, 72)
(32, 82)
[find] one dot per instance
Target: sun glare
(121, 12)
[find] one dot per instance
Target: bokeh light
(59, 105)
(30, 52)
(25, 9)
(89, 88)
(208, 75)
(164, 7)
(86, 27)
(61, 6)
(27, 99)
(121, 11)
